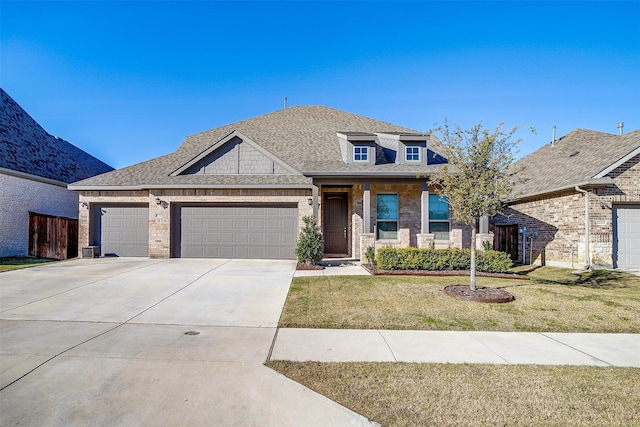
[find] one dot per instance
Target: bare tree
(477, 177)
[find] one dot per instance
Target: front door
(335, 222)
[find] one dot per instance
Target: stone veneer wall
(160, 215)
(559, 220)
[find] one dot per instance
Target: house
(35, 168)
(241, 191)
(586, 183)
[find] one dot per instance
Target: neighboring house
(35, 168)
(242, 189)
(586, 183)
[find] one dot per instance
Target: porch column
(484, 225)
(314, 202)
(366, 209)
(424, 204)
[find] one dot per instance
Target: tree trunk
(472, 281)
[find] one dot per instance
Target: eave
(592, 183)
(364, 174)
(32, 177)
(185, 186)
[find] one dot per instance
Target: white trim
(406, 154)
(413, 137)
(366, 153)
(32, 177)
(222, 142)
(617, 163)
(364, 137)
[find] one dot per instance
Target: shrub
(493, 261)
(370, 254)
(487, 245)
(310, 247)
(440, 259)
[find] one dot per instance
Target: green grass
(405, 394)
(14, 263)
(554, 300)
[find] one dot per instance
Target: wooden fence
(505, 239)
(52, 236)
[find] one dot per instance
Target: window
(361, 154)
(412, 154)
(387, 216)
(439, 217)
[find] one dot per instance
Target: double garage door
(239, 231)
(626, 236)
(236, 231)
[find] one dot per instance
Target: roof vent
(575, 153)
(620, 126)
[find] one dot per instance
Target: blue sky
(128, 81)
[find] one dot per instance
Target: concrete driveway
(104, 342)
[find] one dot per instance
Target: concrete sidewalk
(335, 268)
(344, 345)
(349, 345)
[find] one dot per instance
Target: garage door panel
(627, 236)
(122, 230)
(258, 239)
(239, 231)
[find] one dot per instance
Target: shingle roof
(299, 136)
(574, 159)
(26, 147)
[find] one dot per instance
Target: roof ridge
(301, 107)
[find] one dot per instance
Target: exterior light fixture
(158, 201)
(310, 201)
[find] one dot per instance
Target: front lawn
(554, 300)
(406, 394)
(14, 263)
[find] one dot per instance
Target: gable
(627, 177)
(235, 155)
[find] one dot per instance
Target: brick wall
(160, 214)
(560, 221)
(18, 196)
(93, 198)
(409, 221)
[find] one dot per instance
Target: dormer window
(412, 154)
(361, 154)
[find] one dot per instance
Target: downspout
(586, 225)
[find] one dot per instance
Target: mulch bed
(379, 272)
(303, 266)
(480, 294)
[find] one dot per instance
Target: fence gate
(505, 239)
(52, 236)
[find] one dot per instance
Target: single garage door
(626, 234)
(238, 231)
(122, 230)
